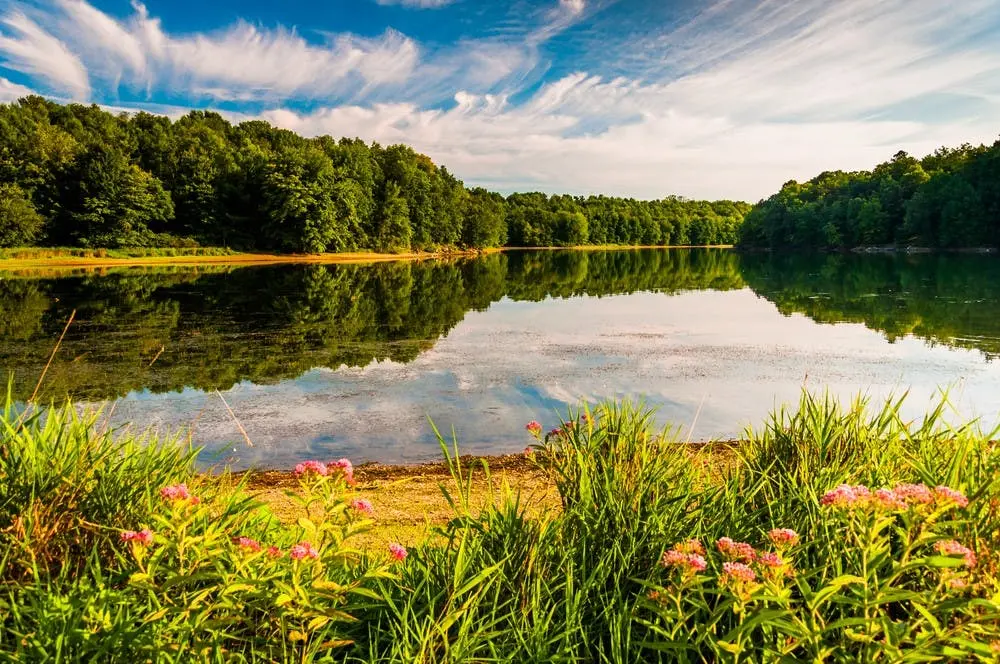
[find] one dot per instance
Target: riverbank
(408, 499)
(95, 260)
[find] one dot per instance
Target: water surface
(352, 360)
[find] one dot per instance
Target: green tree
(20, 223)
(394, 231)
(109, 202)
(484, 222)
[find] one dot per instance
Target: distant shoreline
(96, 262)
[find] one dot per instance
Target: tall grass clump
(68, 486)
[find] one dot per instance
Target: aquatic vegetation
(834, 534)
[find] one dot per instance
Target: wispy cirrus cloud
(417, 4)
(79, 43)
(30, 49)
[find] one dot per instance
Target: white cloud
(573, 6)
(242, 61)
(35, 52)
(10, 91)
(418, 4)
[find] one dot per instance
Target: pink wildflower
(696, 562)
(846, 496)
(735, 550)
(529, 452)
(691, 546)
(770, 559)
(958, 583)
(887, 500)
(307, 467)
(345, 466)
(673, 558)
(686, 562)
(555, 433)
(175, 492)
(953, 548)
(144, 537)
(274, 552)
(534, 428)
(782, 537)
(736, 573)
(303, 550)
(362, 506)
(947, 495)
(914, 494)
(397, 551)
(248, 544)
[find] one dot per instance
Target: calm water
(329, 361)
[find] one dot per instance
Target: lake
(354, 360)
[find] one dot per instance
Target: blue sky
(712, 98)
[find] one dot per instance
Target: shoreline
(408, 499)
(95, 263)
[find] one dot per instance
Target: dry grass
(408, 499)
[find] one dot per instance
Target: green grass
(588, 582)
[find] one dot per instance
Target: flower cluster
(175, 492)
(736, 551)
(179, 493)
(688, 563)
(738, 578)
(397, 551)
(783, 537)
(953, 548)
(362, 506)
(144, 537)
(900, 498)
(771, 559)
(534, 428)
(303, 550)
(248, 544)
(311, 467)
(846, 496)
(344, 466)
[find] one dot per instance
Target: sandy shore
(408, 500)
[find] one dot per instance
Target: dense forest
(79, 176)
(949, 199)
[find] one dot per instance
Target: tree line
(948, 199)
(79, 176)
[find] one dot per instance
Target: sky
(644, 98)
